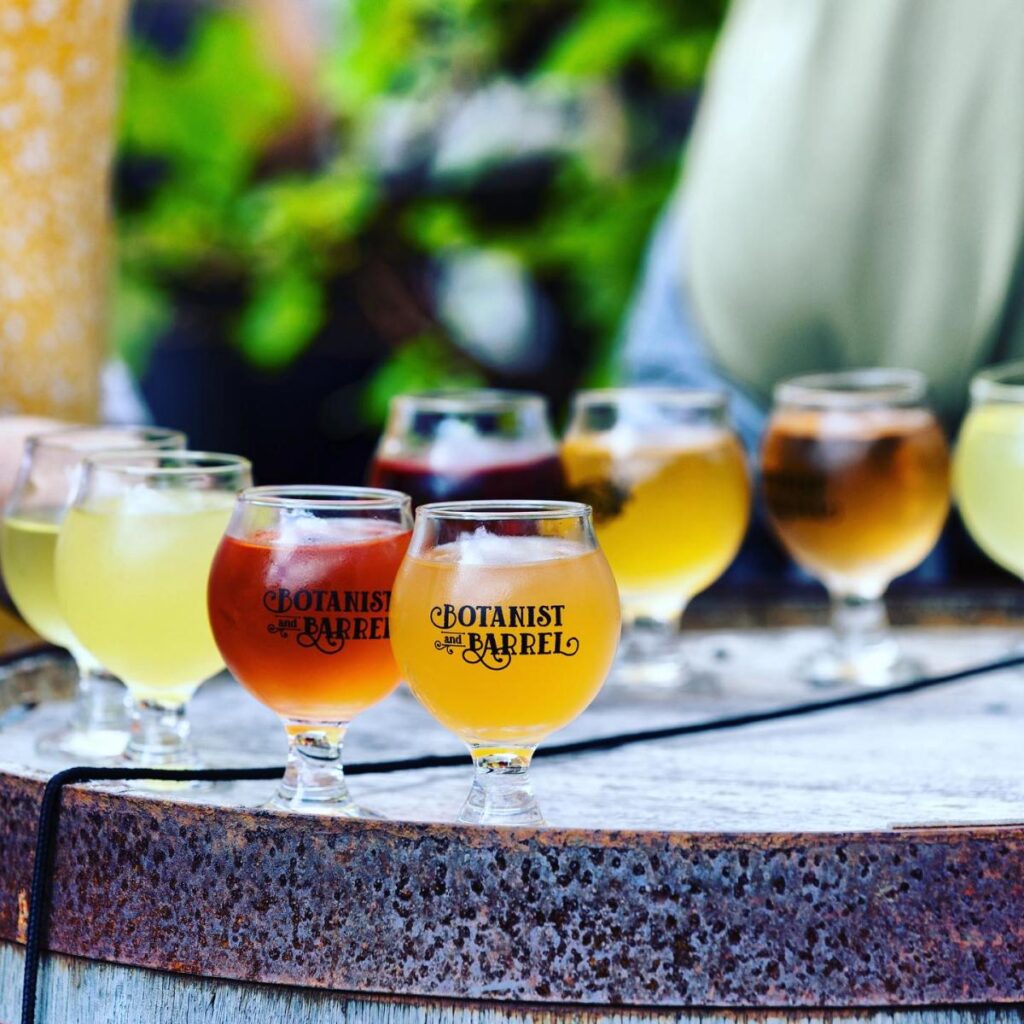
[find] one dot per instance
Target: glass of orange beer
(505, 622)
(299, 602)
(667, 479)
(856, 485)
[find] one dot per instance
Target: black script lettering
(278, 601)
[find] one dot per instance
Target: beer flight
(499, 602)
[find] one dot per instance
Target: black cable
(49, 808)
(809, 707)
(49, 815)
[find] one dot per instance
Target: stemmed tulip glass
(667, 479)
(299, 599)
(471, 444)
(505, 620)
(856, 484)
(98, 724)
(988, 470)
(133, 558)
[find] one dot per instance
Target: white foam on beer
(144, 500)
(637, 455)
(481, 547)
(854, 424)
(457, 447)
(303, 527)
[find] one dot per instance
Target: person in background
(853, 195)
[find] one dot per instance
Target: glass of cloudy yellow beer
(133, 558)
(667, 480)
(855, 472)
(97, 727)
(988, 469)
(504, 620)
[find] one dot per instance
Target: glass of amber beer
(505, 622)
(856, 485)
(667, 480)
(988, 470)
(299, 601)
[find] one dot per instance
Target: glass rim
(868, 387)
(496, 509)
(994, 383)
(684, 397)
(126, 462)
(468, 400)
(62, 439)
(324, 496)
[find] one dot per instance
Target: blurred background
(321, 204)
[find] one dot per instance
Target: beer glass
(463, 445)
(299, 597)
(97, 726)
(505, 620)
(133, 558)
(988, 468)
(856, 485)
(668, 483)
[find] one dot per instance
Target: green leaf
(140, 312)
(281, 318)
(604, 37)
(420, 364)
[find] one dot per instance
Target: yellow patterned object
(58, 76)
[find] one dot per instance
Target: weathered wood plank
(75, 991)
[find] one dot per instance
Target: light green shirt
(854, 190)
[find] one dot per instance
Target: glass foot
(89, 745)
(502, 792)
(652, 660)
(332, 808)
(874, 668)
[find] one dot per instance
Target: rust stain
(530, 915)
(22, 928)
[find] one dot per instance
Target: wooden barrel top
(870, 856)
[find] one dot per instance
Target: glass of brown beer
(667, 479)
(855, 476)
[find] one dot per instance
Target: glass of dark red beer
(469, 446)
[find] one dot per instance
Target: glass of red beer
(299, 599)
(468, 446)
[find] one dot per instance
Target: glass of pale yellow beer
(988, 469)
(504, 621)
(133, 559)
(98, 725)
(667, 479)
(855, 475)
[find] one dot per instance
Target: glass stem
(502, 792)
(159, 735)
(101, 701)
(314, 776)
(858, 623)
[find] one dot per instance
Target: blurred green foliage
(225, 209)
